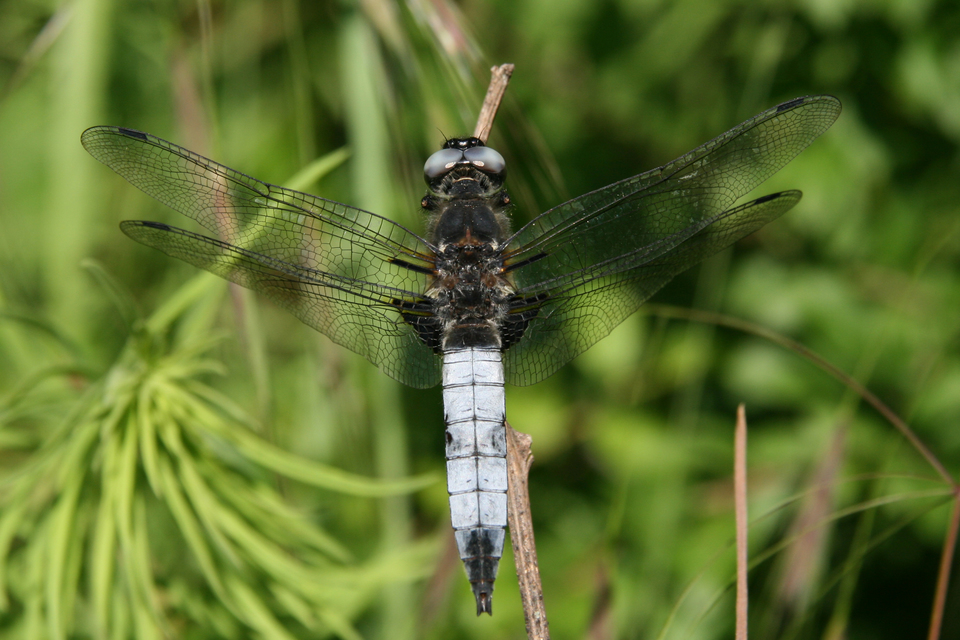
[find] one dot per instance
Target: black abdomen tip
(483, 591)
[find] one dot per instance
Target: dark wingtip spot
(767, 198)
(132, 133)
(790, 105)
(155, 225)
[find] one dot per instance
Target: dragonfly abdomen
(474, 409)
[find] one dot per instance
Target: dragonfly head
(468, 161)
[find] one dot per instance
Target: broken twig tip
(499, 79)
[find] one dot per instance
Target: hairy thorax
(468, 226)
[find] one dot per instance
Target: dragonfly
(468, 302)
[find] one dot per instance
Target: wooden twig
(500, 78)
(946, 564)
(519, 460)
(740, 508)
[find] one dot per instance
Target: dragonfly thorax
(469, 227)
(470, 293)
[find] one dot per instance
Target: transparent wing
(570, 320)
(346, 272)
(581, 268)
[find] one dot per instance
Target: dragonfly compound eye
(485, 159)
(441, 162)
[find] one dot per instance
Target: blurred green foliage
(631, 489)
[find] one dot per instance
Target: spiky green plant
(154, 507)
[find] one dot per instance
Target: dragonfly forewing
(594, 260)
(341, 270)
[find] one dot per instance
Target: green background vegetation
(184, 460)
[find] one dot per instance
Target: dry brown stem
(500, 78)
(740, 507)
(943, 577)
(519, 460)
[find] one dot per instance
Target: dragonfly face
(468, 303)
